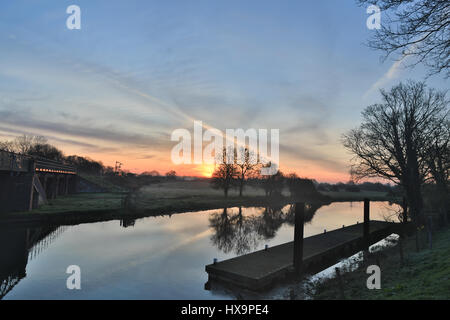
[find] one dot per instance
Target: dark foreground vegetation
(424, 274)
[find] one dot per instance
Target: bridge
(27, 182)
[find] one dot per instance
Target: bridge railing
(10, 161)
(53, 166)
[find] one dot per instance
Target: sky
(117, 88)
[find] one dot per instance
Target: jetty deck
(258, 270)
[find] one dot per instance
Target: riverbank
(161, 199)
(424, 274)
(158, 199)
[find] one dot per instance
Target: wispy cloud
(390, 75)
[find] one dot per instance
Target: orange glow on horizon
(133, 162)
(207, 170)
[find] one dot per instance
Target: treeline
(38, 147)
(246, 168)
(353, 187)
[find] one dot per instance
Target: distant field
(177, 196)
(181, 189)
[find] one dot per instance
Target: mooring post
(366, 227)
(298, 236)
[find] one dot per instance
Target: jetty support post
(298, 236)
(366, 232)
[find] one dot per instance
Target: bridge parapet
(10, 161)
(53, 167)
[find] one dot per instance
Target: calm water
(155, 257)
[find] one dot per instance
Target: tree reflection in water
(239, 233)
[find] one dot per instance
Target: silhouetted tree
(24, 143)
(225, 174)
(437, 157)
(246, 164)
(86, 165)
(420, 29)
(47, 151)
(171, 175)
(273, 184)
(152, 173)
(291, 181)
(392, 140)
(7, 146)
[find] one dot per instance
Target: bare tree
(225, 174)
(25, 143)
(7, 146)
(246, 164)
(45, 150)
(392, 141)
(273, 184)
(171, 175)
(437, 157)
(420, 29)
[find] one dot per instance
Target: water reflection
(125, 223)
(17, 248)
(234, 232)
(155, 257)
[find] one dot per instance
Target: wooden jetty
(260, 269)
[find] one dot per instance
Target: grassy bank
(155, 199)
(196, 195)
(81, 202)
(163, 198)
(424, 275)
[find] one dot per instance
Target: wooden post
(366, 227)
(298, 236)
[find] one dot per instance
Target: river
(160, 257)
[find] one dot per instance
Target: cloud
(22, 119)
(388, 76)
(301, 152)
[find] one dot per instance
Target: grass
(81, 202)
(195, 195)
(164, 198)
(425, 274)
(103, 182)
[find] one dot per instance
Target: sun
(207, 170)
